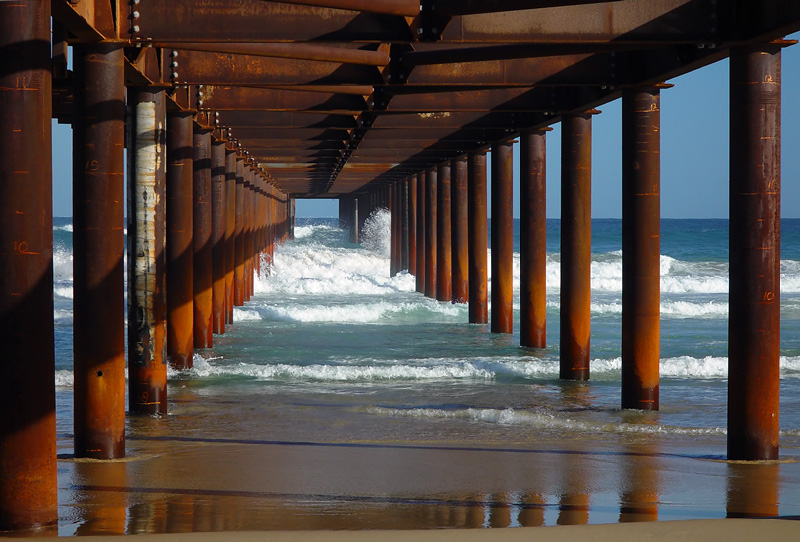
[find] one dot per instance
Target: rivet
(135, 28)
(174, 75)
(174, 64)
(173, 53)
(135, 14)
(419, 30)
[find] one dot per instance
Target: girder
(331, 95)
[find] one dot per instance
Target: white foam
(63, 290)
(65, 379)
(62, 263)
(340, 373)
(62, 317)
(542, 420)
(244, 315)
(66, 227)
(376, 233)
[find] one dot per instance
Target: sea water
(331, 348)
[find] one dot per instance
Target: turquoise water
(332, 348)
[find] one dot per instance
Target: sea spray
(376, 234)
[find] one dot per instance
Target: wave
(543, 420)
(487, 369)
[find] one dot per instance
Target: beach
(342, 400)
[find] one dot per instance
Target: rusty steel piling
(502, 238)
(576, 248)
(180, 210)
(218, 223)
(533, 239)
(421, 223)
(98, 249)
(412, 225)
(238, 236)
(202, 207)
(459, 232)
(478, 240)
(28, 485)
(431, 189)
(641, 247)
(147, 287)
(405, 225)
(444, 280)
(754, 298)
(230, 230)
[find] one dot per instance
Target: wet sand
(728, 530)
(190, 484)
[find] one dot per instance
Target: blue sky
(694, 151)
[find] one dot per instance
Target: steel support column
(412, 225)
(459, 234)
(533, 239)
(641, 247)
(354, 221)
(394, 229)
(421, 197)
(147, 280)
(478, 239)
(404, 225)
(754, 299)
(202, 275)
(576, 245)
(27, 390)
(248, 231)
(98, 246)
(502, 238)
(180, 341)
(238, 236)
(230, 231)
(444, 279)
(431, 188)
(218, 223)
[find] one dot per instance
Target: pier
(228, 112)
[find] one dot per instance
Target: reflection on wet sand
(640, 484)
(753, 490)
(103, 513)
(200, 484)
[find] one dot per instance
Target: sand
(727, 530)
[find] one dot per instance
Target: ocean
(333, 353)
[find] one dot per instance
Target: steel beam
(641, 247)
(147, 286)
(444, 278)
(218, 223)
(478, 238)
(202, 229)
(754, 322)
(28, 485)
(459, 233)
(431, 190)
(99, 246)
(502, 238)
(576, 245)
(404, 224)
(180, 318)
(533, 239)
